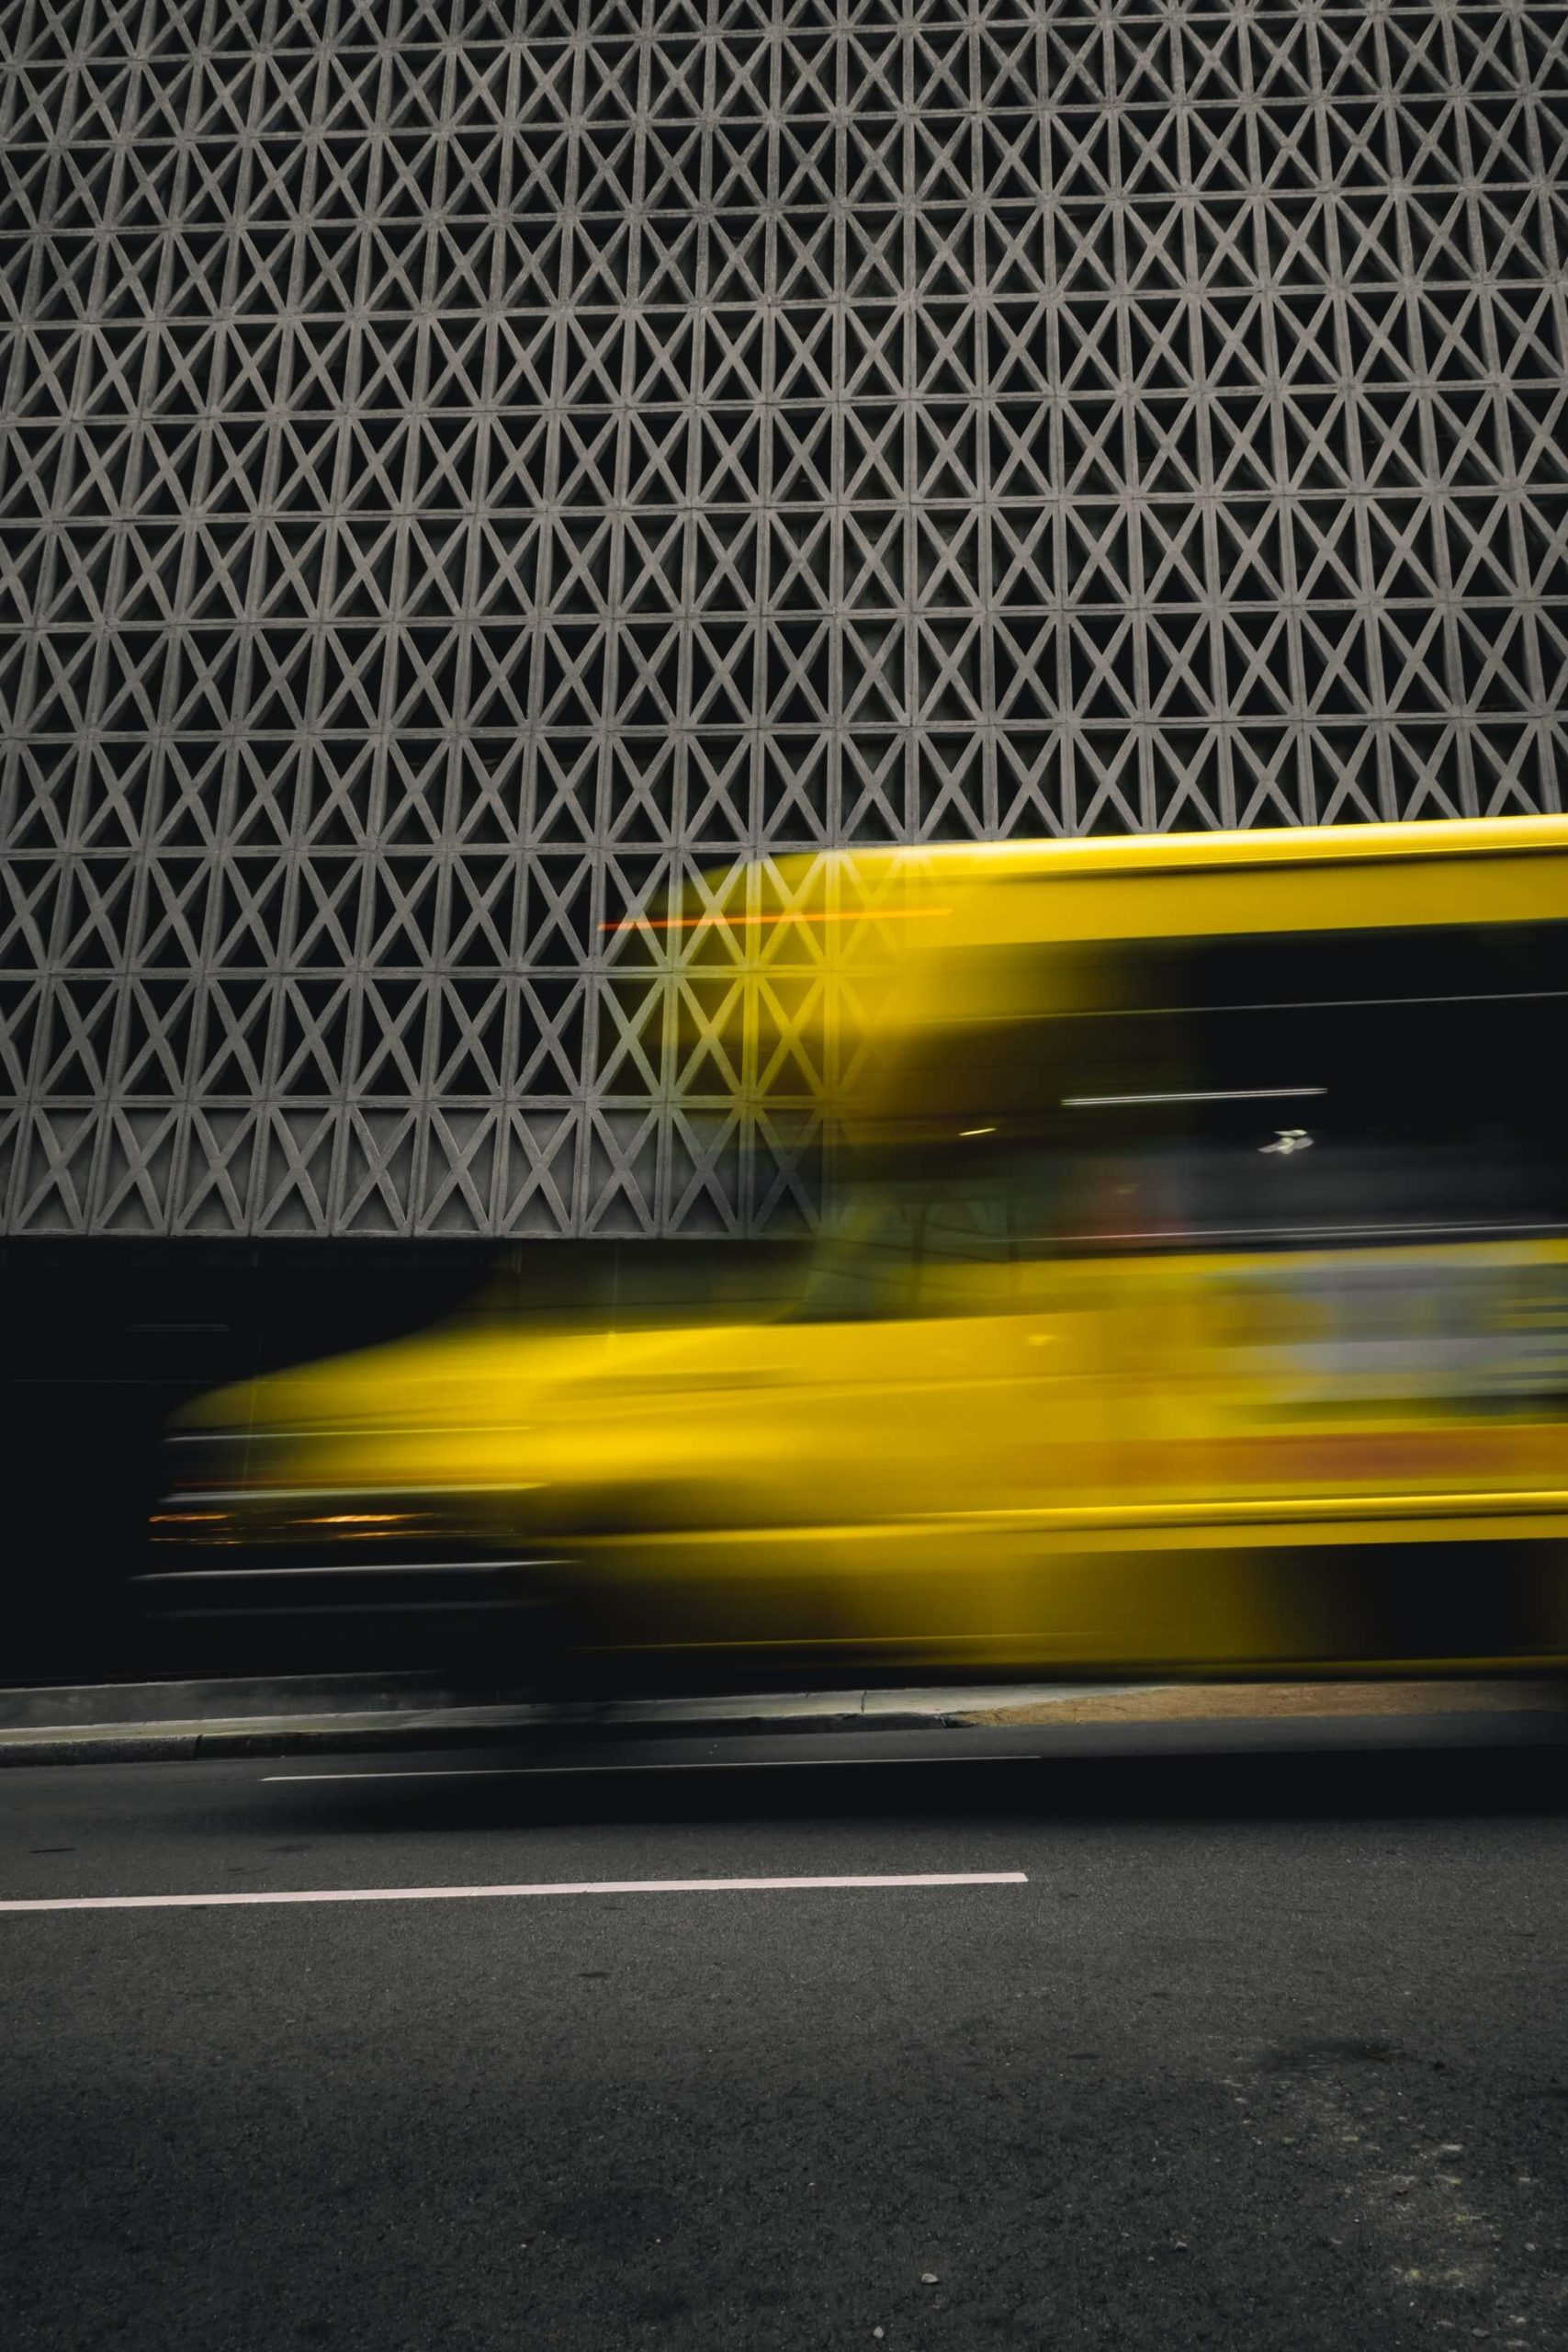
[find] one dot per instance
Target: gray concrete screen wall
(467, 463)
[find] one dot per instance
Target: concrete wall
(471, 464)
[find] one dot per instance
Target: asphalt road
(1263, 2052)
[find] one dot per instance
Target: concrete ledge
(91, 1747)
(1070, 1741)
(77, 1706)
(377, 1736)
(367, 1716)
(106, 1724)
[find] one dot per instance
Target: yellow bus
(1193, 1299)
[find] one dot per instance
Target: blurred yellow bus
(1193, 1299)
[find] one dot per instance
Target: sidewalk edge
(162, 1745)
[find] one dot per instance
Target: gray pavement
(1265, 2050)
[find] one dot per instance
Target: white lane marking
(549, 1771)
(476, 1894)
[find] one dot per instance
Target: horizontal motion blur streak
(1210, 1094)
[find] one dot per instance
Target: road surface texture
(1261, 2052)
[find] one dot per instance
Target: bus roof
(1188, 883)
(1185, 852)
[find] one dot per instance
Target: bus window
(1211, 1092)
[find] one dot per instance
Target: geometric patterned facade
(470, 466)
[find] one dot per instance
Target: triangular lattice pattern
(467, 465)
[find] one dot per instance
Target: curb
(372, 1716)
(168, 1746)
(326, 1715)
(190, 1703)
(1456, 1736)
